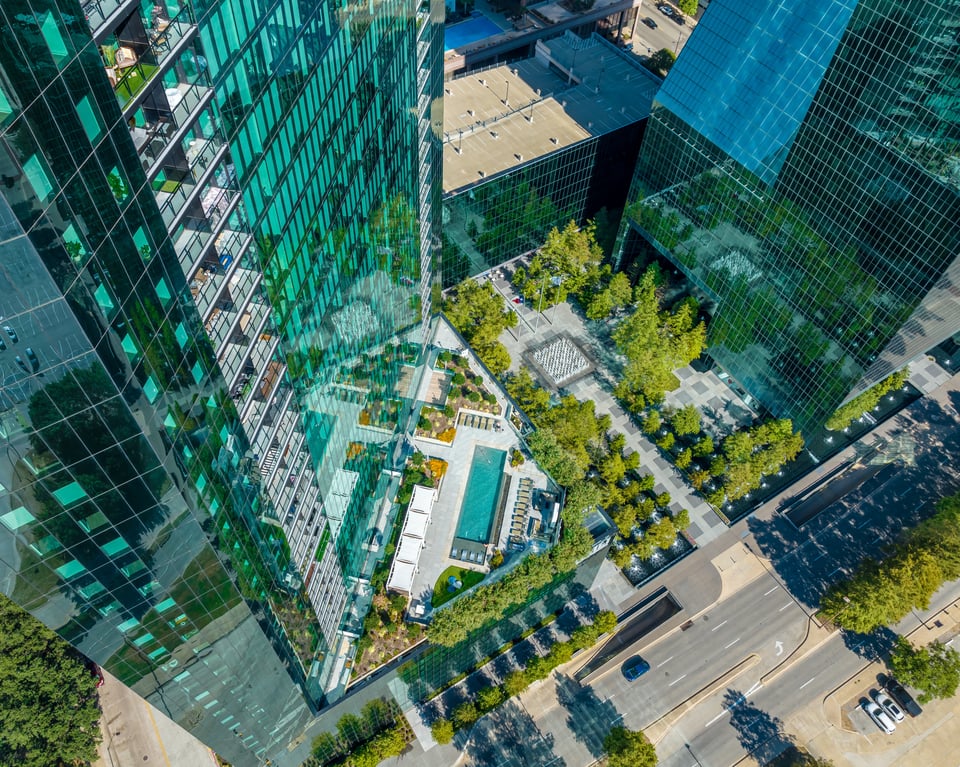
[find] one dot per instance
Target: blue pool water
(469, 31)
(479, 505)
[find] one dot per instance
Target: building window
(37, 176)
(51, 33)
(88, 118)
(6, 108)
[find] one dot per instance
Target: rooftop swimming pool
(479, 507)
(469, 31)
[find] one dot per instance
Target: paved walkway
(705, 390)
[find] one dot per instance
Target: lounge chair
(454, 553)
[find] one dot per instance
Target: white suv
(880, 717)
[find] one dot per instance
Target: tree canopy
(844, 415)
(661, 61)
(655, 342)
(568, 260)
(880, 593)
(48, 703)
(934, 669)
(629, 748)
(481, 315)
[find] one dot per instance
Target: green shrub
(442, 731)
(652, 422)
(465, 715)
(515, 683)
(489, 698)
(666, 442)
(684, 458)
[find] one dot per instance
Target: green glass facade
(216, 232)
(802, 167)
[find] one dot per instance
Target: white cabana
(422, 499)
(409, 549)
(411, 539)
(416, 524)
(401, 576)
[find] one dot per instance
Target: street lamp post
(693, 754)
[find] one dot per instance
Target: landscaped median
(539, 667)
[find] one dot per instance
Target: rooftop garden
(385, 633)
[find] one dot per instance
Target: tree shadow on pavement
(509, 736)
(760, 734)
(873, 646)
(866, 517)
(589, 718)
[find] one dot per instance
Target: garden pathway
(701, 388)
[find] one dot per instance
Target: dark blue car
(635, 668)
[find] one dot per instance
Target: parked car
(31, 355)
(650, 22)
(883, 700)
(3, 346)
(903, 698)
(12, 333)
(665, 9)
(635, 668)
(680, 19)
(21, 364)
(880, 717)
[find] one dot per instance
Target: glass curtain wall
(811, 191)
(216, 230)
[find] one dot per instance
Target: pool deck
(435, 557)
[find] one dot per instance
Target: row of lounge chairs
(477, 421)
(521, 509)
(464, 555)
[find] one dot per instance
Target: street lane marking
(664, 663)
(820, 556)
(719, 625)
(716, 718)
(732, 643)
(784, 607)
(677, 680)
(753, 689)
(864, 523)
(765, 593)
(806, 683)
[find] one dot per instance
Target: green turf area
(469, 578)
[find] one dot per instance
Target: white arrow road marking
(779, 647)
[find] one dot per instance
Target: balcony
(136, 49)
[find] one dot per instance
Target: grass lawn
(469, 578)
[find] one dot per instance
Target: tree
(567, 261)
(629, 748)
(48, 702)
(934, 669)
(481, 315)
(686, 421)
(553, 459)
(689, 7)
(661, 61)
(442, 730)
(655, 343)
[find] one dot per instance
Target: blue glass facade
(801, 167)
(216, 231)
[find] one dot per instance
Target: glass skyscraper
(802, 167)
(216, 238)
